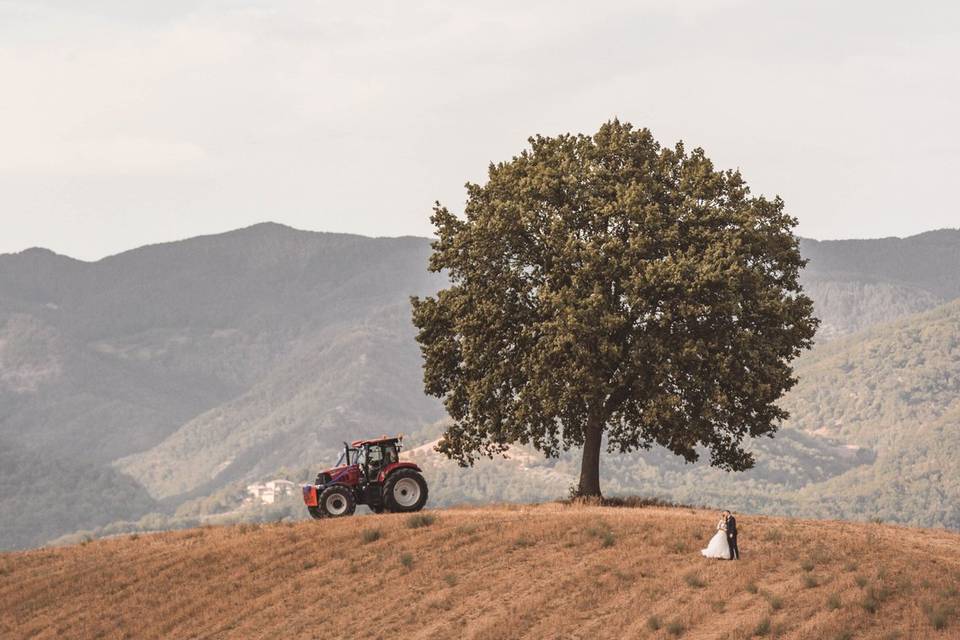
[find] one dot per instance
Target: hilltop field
(512, 571)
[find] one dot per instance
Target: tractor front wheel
(337, 501)
(405, 490)
(315, 512)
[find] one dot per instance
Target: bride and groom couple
(723, 544)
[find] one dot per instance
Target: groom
(732, 535)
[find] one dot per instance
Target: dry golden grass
(550, 571)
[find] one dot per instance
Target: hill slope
(856, 284)
(499, 572)
(874, 433)
(194, 367)
(187, 365)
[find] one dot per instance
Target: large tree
(603, 284)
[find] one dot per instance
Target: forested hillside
(166, 378)
(232, 355)
(874, 433)
(43, 495)
(856, 284)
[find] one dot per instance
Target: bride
(718, 546)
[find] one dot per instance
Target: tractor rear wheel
(337, 501)
(405, 490)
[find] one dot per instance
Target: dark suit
(732, 538)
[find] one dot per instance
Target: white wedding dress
(718, 546)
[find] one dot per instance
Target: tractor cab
(367, 472)
(375, 456)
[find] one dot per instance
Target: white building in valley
(269, 492)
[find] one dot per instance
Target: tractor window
(374, 456)
(348, 456)
(390, 455)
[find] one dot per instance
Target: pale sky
(127, 122)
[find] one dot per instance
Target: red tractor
(368, 472)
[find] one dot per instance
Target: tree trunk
(590, 465)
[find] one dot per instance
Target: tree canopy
(603, 284)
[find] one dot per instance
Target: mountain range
(164, 375)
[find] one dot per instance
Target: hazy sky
(125, 122)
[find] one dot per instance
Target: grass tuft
(752, 587)
(694, 580)
(775, 601)
(406, 559)
(371, 535)
(762, 628)
(809, 582)
(653, 623)
(938, 615)
(607, 540)
(833, 602)
(675, 628)
(420, 520)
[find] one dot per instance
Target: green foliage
(606, 284)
